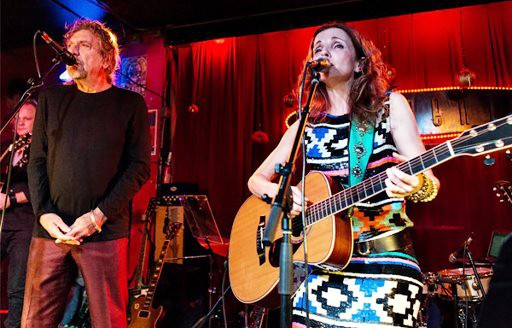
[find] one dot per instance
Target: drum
(464, 283)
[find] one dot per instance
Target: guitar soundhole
(144, 314)
(275, 252)
(297, 226)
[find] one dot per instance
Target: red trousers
(52, 270)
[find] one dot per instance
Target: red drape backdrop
(238, 85)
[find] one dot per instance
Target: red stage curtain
(238, 85)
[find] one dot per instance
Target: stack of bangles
(426, 190)
(94, 223)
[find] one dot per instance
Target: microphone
(453, 256)
(62, 53)
(321, 64)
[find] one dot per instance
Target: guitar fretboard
(156, 275)
(479, 140)
(374, 185)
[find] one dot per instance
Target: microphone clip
(62, 53)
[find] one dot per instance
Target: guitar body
(254, 270)
(144, 318)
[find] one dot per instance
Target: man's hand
(2, 200)
(84, 225)
(52, 223)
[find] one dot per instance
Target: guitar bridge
(260, 248)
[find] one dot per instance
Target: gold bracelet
(426, 193)
(421, 183)
(93, 220)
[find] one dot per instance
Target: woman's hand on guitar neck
(398, 183)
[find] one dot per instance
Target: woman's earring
(360, 65)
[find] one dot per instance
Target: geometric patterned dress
(376, 290)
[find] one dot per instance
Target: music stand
(202, 225)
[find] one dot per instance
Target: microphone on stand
(321, 64)
(453, 256)
(62, 53)
(167, 178)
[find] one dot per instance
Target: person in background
(90, 154)
(356, 130)
(495, 310)
(19, 218)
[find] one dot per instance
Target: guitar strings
(323, 207)
(330, 206)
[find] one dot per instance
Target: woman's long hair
(368, 90)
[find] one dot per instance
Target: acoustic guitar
(254, 269)
(143, 314)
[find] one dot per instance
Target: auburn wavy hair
(109, 48)
(369, 87)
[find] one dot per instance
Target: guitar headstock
(172, 230)
(485, 138)
(503, 190)
(150, 210)
(22, 142)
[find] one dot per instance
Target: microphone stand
(475, 272)
(279, 212)
(33, 86)
(201, 321)
(211, 288)
(469, 256)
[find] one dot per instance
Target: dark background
(182, 21)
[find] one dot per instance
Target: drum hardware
(453, 286)
(468, 313)
(463, 283)
(464, 249)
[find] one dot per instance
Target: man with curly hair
(90, 154)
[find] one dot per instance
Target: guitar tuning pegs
(489, 161)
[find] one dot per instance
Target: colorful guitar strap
(360, 145)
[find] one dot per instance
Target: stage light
(64, 76)
(71, 10)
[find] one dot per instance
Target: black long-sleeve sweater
(88, 150)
